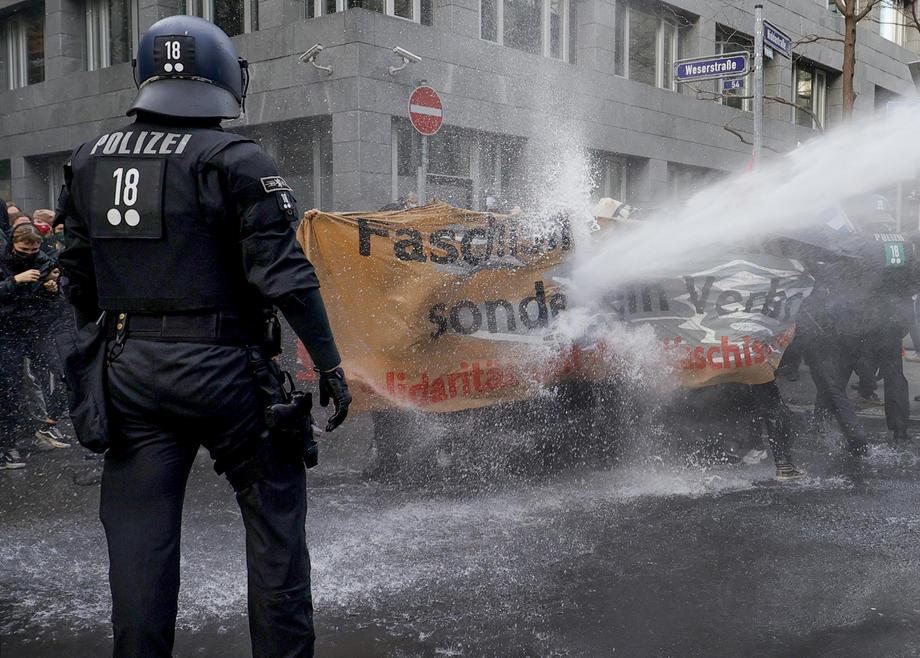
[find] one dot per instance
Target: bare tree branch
(740, 135)
(814, 38)
(870, 5)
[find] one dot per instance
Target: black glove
(332, 385)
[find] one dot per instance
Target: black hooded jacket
(26, 309)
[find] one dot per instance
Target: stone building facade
(518, 78)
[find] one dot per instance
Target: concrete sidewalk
(800, 396)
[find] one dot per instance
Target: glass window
(121, 30)
(488, 20)
(539, 27)
(573, 30)
(110, 32)
(372, 5)
(555, 28)
(891, 21)
(810, 85)
(668, 55)
(232, 16)
(35, 48)
(643, 47)
(6, 180)
(403, 8)
(522, 25)
(687, 180)
(408, 157)
(25, 46)
(615, 176)
(804, 95)
(730, 41)
(619, 39)
(228, 16)
(449, 153)
(413, 10)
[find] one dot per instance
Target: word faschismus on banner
(730, 65)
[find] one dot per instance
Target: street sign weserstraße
(777, 40)
(729, 65)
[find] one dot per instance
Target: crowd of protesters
(32, 312)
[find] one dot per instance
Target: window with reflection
(732, 41)
(232, 16)
(810, 85)
(418, 11)
(539, 27)
(24, 36)
(111, 32)
(646, 41)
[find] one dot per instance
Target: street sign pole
(758, 83)
(426, 112)
(422, 182)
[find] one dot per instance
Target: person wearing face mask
(28, 289)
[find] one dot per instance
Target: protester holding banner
(458, 310)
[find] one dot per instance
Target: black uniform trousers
(828, 356)
(770, 410)
(832, 360)
(883, 348)
(16, 421)
(165, 399)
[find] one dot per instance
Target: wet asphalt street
(652, 556)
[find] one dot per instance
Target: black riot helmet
(187, 67)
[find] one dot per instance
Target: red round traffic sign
(425, 110)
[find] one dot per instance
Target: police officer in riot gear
(182, 234)
(863, 286)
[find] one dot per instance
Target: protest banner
(444, 309)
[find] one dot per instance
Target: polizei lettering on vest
(141, 143)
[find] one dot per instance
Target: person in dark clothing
(28, 295)
(185, 279)
(858, 309)
(770, 411)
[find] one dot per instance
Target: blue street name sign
(732, 84)
(777, 40)
(706, 68)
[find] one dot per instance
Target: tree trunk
(849, 63)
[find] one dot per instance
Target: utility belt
(213, 327)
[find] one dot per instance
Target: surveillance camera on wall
(310, 56)
(311, 53)
(406, 55)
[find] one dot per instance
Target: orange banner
(444, 309)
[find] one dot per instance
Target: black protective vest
(162, 239)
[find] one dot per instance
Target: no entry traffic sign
(425, 110)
